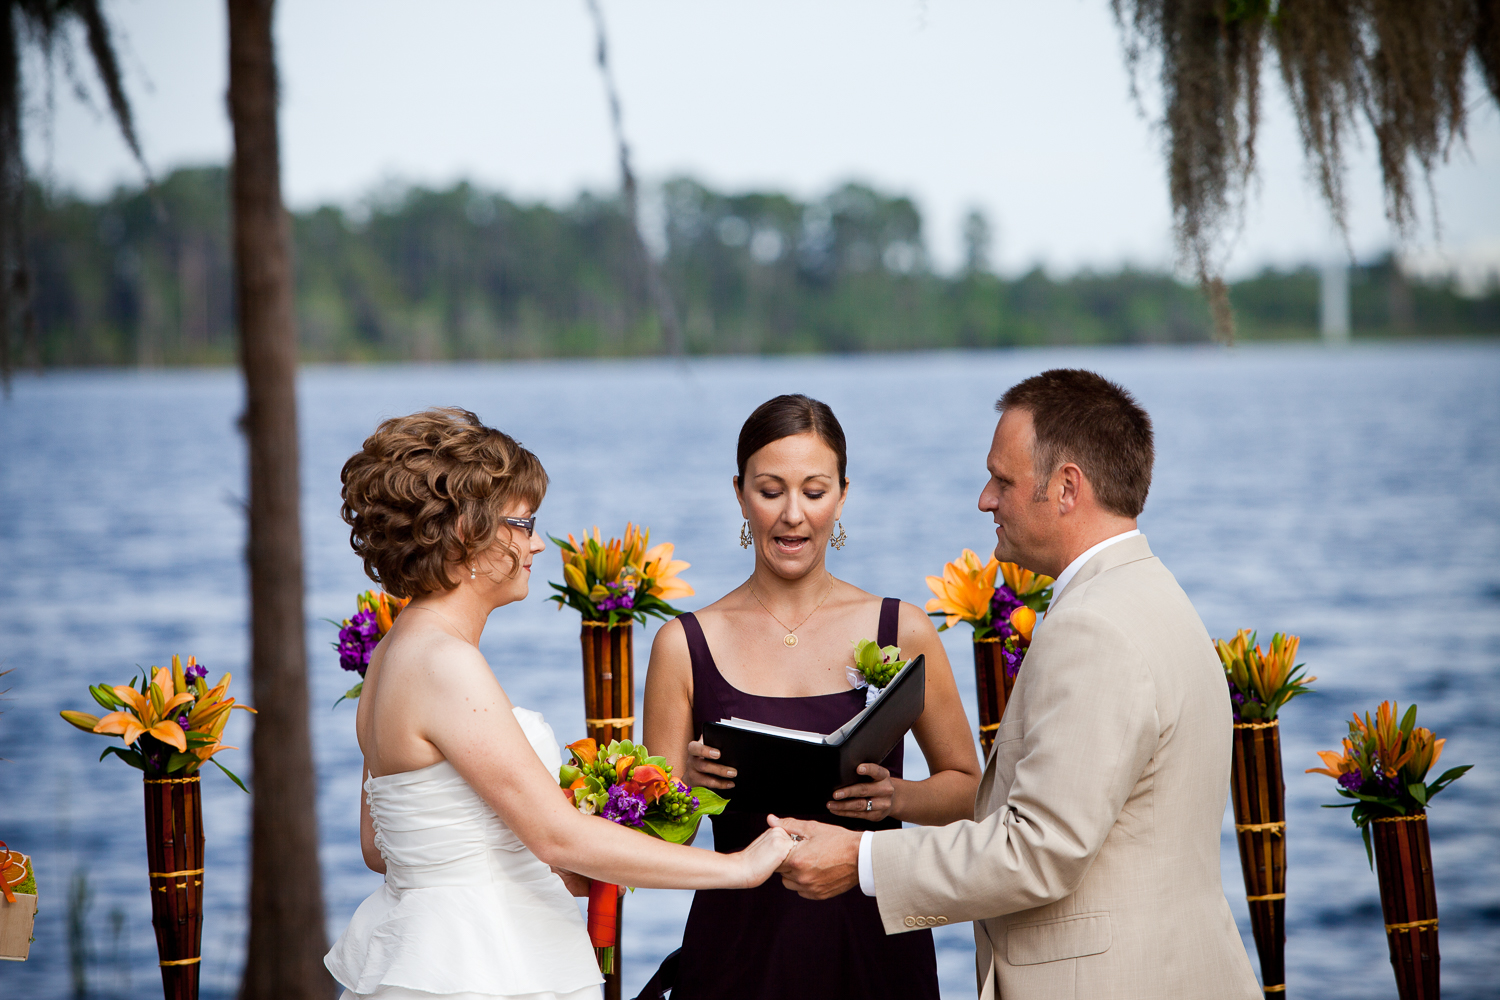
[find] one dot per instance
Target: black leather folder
(794, 773)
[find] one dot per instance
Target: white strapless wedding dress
(467, 911)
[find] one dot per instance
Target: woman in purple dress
(775, 649)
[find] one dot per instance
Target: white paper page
(763, 727)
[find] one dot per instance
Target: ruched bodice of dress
(466, 910)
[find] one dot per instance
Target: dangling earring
(473, 570)
(838, 540)
(746, 539)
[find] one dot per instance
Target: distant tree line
(464, 273)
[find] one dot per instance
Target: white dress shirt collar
(1066, 576)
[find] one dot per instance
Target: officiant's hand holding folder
(794, 772)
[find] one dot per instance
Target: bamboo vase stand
(1260, 829)
(1408, 899)
(609, 714)
(994, 687)
(174, 852)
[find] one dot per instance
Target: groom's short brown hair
(1086, 419)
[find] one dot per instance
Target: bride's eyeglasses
(526, 524)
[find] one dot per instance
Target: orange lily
(622, 767)
(650, 782)
(586, 750)
(661, 570)
(155, 712)
(578, 783)
(1023, 620)
(1425, 750)
(1023, 581)
(1338, 764)
(148, 713)
(964, 590)
(1390, 743)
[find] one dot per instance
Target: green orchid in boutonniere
(875, 666)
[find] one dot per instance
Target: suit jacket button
(911, 921)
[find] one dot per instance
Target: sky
(1021, 109)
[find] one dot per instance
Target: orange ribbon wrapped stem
(604, 903)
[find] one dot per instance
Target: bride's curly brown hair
(428, 490)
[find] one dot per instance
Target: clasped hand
(823, 863)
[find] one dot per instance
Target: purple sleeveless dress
(768, 942)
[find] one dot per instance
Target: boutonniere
(874, 667)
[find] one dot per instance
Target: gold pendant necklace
(790, 639)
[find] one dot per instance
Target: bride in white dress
(462, 812)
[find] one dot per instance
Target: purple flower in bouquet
(1012, 658)
(624, 808)
(1380, 783)
(195, 671)
(357, 640)
(621, 598)
(1352, 780)
(1001, 605)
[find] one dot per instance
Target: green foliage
(462, 273)
(681, 829)
(878, 665)
(27, 884)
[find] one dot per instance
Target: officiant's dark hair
(430, 489)
(1085, 418)
(787, 416)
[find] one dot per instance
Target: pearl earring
(473, 571)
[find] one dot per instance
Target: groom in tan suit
(1091, 869)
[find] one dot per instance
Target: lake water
(1351, 497)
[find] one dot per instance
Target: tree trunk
(12, 183)
(284, 959)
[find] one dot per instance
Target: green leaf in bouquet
(352, 694)
(180, 761)
(567, 774)
(1448, 777)
(680, 831)
(660, 762)
(1409, 721)
(1418, 791)
(232, 776)
(131, 757)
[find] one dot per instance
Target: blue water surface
(1351, 497)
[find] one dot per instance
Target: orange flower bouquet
(172, 724)
(623, 783)
(1003, 617)
(358, 636)
(1383, 768)
(1261, 681)
(619, 580)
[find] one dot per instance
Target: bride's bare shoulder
(430, 663)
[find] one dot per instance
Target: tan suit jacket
(1092, 867)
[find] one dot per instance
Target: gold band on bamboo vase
(1415, 925)
(182, 961)
(628, 720)
(1256, 725)
(1266, 898)
(1274, 989)
(1419, 818)
(1277, 827)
